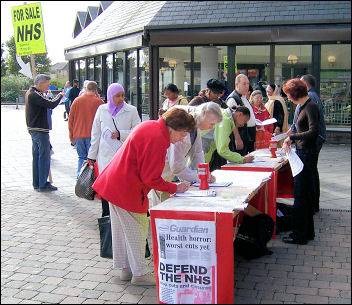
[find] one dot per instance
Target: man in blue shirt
(310, 81)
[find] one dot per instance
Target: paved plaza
(50, 241)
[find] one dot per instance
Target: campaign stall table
(193, 240)
(280, 184)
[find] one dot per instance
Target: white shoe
(144, 280)
(125, 275)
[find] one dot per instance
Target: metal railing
(337, 111)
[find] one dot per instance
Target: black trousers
(302, 212)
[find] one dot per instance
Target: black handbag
(83, 188)
(105, 237)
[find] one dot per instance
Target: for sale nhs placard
(28, 29)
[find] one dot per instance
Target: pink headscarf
(113, 89)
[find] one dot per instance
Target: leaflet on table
(114, 144)
(279, 137)
(266, 122)
(201, 193)
(295, 162)
(214, 184)
(187, 261)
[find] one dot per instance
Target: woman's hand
(248, 159)
(286, 146)
(115, 135)
(211, 179)
(182, 187)
(90, 160)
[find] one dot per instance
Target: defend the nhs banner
(190, 241)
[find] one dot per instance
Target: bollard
(17, 98)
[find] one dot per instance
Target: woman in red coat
(134, 170)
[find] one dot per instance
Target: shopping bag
(83, 188)
(105, 237)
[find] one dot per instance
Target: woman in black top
(305, 139)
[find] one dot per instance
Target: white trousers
(129, 232)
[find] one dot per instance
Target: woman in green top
(216, 142)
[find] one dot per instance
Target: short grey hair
(41, 78)
(203, 110)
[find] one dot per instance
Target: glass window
(144, 72)
(254, 61)
(90, 68)
(131, 92)
(76, 70)
(209, 62)
(118, 70)
(109, 69)
(175, 65)
(335, 83)
(292, 61)
(97, 72)
(82, 72)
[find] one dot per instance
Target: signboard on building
(28, 29)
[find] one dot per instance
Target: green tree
(3, 62)
(42, 62)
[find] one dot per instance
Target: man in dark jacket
(36, 107)
(74, 92)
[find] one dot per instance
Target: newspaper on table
(114, 144)
(295, 162)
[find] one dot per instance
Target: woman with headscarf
(277, 109)
(118, 117)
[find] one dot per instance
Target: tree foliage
(42, 62)
(3, 62)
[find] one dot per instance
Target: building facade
(145, 45)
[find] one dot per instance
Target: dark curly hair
(296, 88)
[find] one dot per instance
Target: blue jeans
(82, 147)
(67, 108)
(41, 158)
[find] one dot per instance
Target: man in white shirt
(244, 136)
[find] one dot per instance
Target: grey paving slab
(50, 242)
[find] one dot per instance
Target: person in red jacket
(125, 182)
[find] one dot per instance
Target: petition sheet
(114, 144)
(295, 162)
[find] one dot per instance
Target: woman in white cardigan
(117, 119)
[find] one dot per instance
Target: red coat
(262, 114)
(136, 168)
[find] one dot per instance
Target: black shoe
(290, 240)
(49, 188)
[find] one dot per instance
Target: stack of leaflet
(214, 184)
(202, 193)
